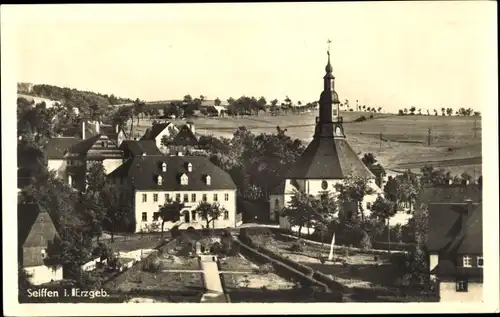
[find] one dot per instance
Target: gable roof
(451, 193)
(110, 131)
(56, 147)
(185, 137)
(84, 146)
(330, 158)
(34, 224)
(144, 170)
(445, 228)
(155, 130)
(140, 147)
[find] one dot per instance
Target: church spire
(327, 101)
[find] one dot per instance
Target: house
(455, 246)
(36, 235)
(326, 162)
(188, 179)
(114, 133)
(55, 153)
(185, 141)
(87, 129)
(218, 111)
(160, 130)
(133, 148)
(83, 154)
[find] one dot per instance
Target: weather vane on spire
(328, 42)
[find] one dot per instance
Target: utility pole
(380, 140)
(429, 138)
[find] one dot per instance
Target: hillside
(453, 145)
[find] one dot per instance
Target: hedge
(397, 246)
(297, 266)
(280, 268)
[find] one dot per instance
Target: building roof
(56, 148)
(141, 147)
(35, 229)
(84, 146)
(185, 137)
(446, 232)
(144, 170)
(110, 131)
(452, 193)
(75, 130)
(155, 130)
(329, 158)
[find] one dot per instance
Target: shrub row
(280, 268)
(393, 246)
(297, 266)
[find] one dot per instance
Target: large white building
(157, 179)
(326, 162)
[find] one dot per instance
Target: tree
(170, 211)
(187, 99)
(409, 188)
(217, 102)
(383, 210)
(117, 201)
(412, 110)
(371, 162)
(209, 212)
(93, 213)
(379, 109)
(435, 112)
(405, 111)
(353, 190)
(449, 111)
(95, 177)
(391, 191)
(443, 111)
(431, 176)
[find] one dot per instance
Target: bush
(366, 243)
(216, 248)
(296, 247)
(360, 119)
(153, 266)
(265, 269)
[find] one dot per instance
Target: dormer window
(190, 167)
(208, 179)
(163, 167)
(160, 180)
(184, 179)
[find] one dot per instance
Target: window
(324, 184)
(144, 198)
(208, 180)
(186, 198)
(155, 197)
(184, 179)
(167, 197)
(216, 197)
(466, 260)
(480, 261)
(193, 197)
(144, 217)
(276, 203)
(178, 197)
(44, 254)
(164, 167)
(226, 214)
(193, 215)
(160, 180)
(204, 197)
(226, 197)
(462, 285)
(368, 205)
(190, 167)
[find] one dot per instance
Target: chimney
(83, 130)
(466, 214)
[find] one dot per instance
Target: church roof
(331, 158)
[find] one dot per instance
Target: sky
(384, 54)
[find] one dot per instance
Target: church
(326, 162)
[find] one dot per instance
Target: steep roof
(35, 229)
(155, 130)
(56, 147)
(84, 146)
(446, 232)
(331, 158)
(140, 147)
(452, 193)
(144, 170)
(185, 137)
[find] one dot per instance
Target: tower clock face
(324, 184)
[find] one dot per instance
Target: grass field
(454, 145)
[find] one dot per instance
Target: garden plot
(238, 272)
(161, 281)
(350, 268)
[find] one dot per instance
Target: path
(213, 285)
